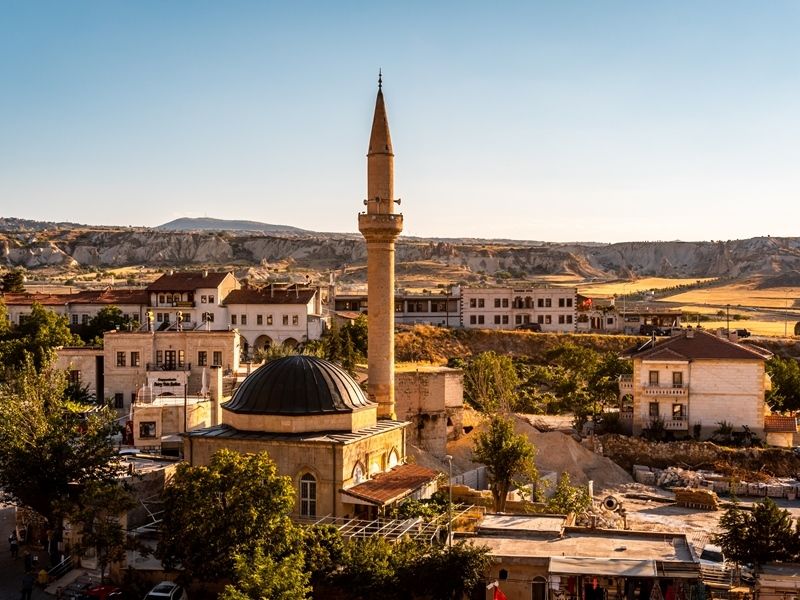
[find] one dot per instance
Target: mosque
(344, 449)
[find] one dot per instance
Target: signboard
(171, 383)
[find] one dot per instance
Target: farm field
(754, 326)
(740, 294)
(628, 287)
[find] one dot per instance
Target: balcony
(626, 383)
(673, 389)
(677, 424)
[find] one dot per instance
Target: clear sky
(558, 121)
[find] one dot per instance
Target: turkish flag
(498, 594)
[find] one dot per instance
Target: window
(233, 319)
(269, 319)
(181, 357)
(473, 303)
(161, 299)
(497, 319)
(147, 429)
(259, 319)
(548, 319)
(473, 320)
(610, 321)
(119, 400)
(202, 358)
(84, 319)
(74, 319)
(497, 302)
(540, 319)
(505, 302)
(159, 357)
(677, 379)
(540, 302)
(295, 319)
(517, 319)
(561, 302)
(308, 495)
(135, 360)
(285, 319)
(159, 317)
(203, 299)
(505, 319)
(211, 299)
(169, 298)
(480, 319)
(653, 378)
(654, 409)
(120, 359)
(358, 473)
(480, 303)
(243, 320)
(561, 319)
(74, 377)
(548, 302)
(677, 411)
(569, 302)
(217, 358)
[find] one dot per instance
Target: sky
(558, 121)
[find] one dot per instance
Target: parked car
(102, 592)
(167, 590)
(529, 327)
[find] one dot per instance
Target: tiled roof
(270, 295)
(107, 296)
(393, 485)
(696, 344)
(186, 281)
(780, 424)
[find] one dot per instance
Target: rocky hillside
(64, 245)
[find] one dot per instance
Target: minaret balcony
(380, 226)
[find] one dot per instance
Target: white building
(552, 309)
(194, 297)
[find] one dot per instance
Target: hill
(209, 224)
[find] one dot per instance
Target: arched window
(358, 473)
(308, 495)
(393, 460)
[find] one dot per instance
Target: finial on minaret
(380, 79)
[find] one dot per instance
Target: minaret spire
(380, 226)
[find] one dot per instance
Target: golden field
(611, 288)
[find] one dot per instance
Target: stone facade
(553, 309)
(432, 399)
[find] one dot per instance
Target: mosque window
(358, 473)
(308, 495)
(393, 460)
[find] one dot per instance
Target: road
(11, 571)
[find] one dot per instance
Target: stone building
(432, 400)
(552, 309)
(697, 378)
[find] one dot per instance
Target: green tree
(108, 318)
(508, 456)
(764, 535)
(97, 511)
(231, 507)
(490, 382)
(13, 282)
(785, 376)
(50, 446)
(260, 575)
(568, 498)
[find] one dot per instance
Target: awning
(387, 488)
(614, 567)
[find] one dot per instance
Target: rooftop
(389, 487)
(270, 295)
(321, 437)
(187, 281)
(692, 345)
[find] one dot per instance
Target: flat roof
(598, 543)
(324, 437)
(546, 524)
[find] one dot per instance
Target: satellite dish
(612, 503)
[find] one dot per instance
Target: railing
(61, 569)
(626, 382)
(664, 390)
(677, 424)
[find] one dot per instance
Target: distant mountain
(205, 224)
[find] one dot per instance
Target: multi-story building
(275, 315)
(192, 297)
(79, 307)
(441, 309)
(551, 308)
(697, 379)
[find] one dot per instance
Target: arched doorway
(290, 343)
(263, 342)
(539, 588)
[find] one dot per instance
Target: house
(541, 557)
(778, 581)
(696, 379)
(79, 307)
(429, 308)
(553, 309)
(275, 314)
(191, 297)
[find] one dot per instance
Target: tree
(108, 318)
(490, 382)
(508, 457)
(785, 376)
(568, 498)
(50, 446)
(13, 282)
(261, 575)
(235, 505)
(97, 512)
(764, 535)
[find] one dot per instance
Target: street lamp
(450, 500)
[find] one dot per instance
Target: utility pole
(450, 501)
(728, 319)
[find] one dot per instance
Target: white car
(167, 590)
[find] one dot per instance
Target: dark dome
(298, 385)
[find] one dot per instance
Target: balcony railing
(673, 389)
(626, 382)
(676, 424)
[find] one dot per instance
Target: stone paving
(11, 571)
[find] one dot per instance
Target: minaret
(380, 226)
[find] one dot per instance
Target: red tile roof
(107, 296)
(186, 281)
(270, 296)
(695, 344)
(386, 488)
(780, 424)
